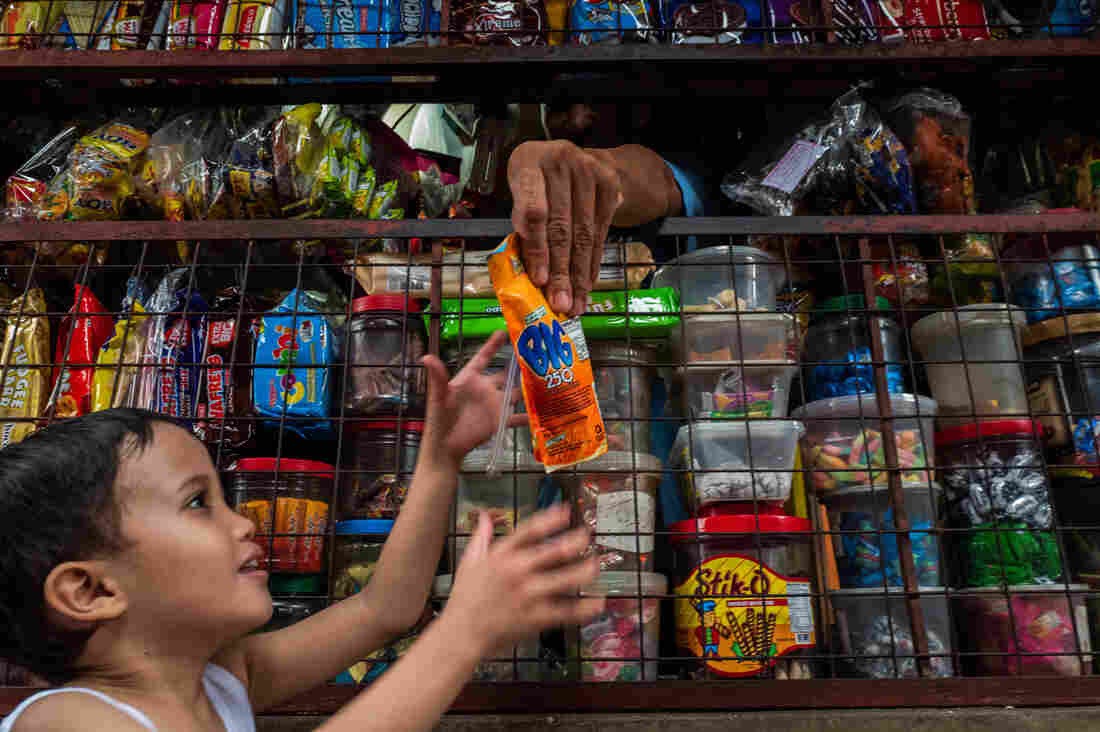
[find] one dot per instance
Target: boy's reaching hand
(463, 412)
(512, 588)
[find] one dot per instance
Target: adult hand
(564, 199)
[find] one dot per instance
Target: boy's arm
(462, 414)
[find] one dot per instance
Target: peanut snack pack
(558, 386)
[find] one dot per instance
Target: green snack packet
(382, 200)
(653, 314)
(1022, 557)
(364, 191)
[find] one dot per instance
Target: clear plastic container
(990, 341)
(843, 440)
(876, 635)
(1034, 621)
(357, 548)
(742, 389)
(521, 664)
(837, 355)
(1063, 385)
(457, 356)
(386, 340)
(736, 461)
(378, 467)
(510, 497)
(864, 558)
(996, 484)
(706, 277)
(624, 376)
(728, 338)
(288, 501)
(1068, 281)
(615, 496)
(623, 642)
(744, 604)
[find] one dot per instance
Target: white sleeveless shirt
(224, 690)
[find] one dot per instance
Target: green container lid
(842, 304)
(296, 584)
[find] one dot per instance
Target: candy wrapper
(995, 554)
(790, 18)
(596, 22)
(28, 22)
(945, 20)
(115, 385)
(223, 384)
(892, 643)
(854, 22)
(132, 24)
(24, 364)
(880, 165)
(175, 346)
(27, 186)
(296, 332)
(194, 24)
(653, 314)
(556, 371)
(254, 25)
(82, 18)
(498, 22)
(366, 23)
(1008, 487)
(713, 21)
(869, 556)
(296, 148)
(80, 337)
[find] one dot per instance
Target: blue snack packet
(174, 348)
(294, 333)
(608, 21)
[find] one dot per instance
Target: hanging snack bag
(223, 382)
(595, 22)
(194, 24)
(558, 386)
(366, 23)
(27, 186)
(25, 23)
(25, 366)
(713, 21)
(254, 25)
(496, 23)
(945, 20)
(72, 394)
(132, 24)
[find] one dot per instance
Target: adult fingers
(559, 234)
(609, 197)
(530, 211)
(583, 186)
(539, 527)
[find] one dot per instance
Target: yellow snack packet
(25, 364)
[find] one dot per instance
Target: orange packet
(558, 386)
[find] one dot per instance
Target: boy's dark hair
(58, 504)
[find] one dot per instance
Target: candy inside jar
(386, 340)
(622, 643)
(624, 374)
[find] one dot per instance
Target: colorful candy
(861, 459)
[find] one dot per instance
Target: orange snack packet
(558, 386)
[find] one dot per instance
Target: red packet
(195, 24)
(889, 17)
(89, 333)
(946, 20)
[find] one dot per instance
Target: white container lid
(871, 592)
(477, 461)
(638, 352)
(617, 460)
(728, 254)
(1051, 589)
(866, 405)
(858, 490)
(784, 368)
(733, 429)
(627, 583)
(986, 315)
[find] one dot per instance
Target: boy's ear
(82, 594)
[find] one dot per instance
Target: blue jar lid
(365, 526)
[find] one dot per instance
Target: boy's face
(190, 562)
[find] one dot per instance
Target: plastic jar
(510, 497)
(757, 390)
(1032, 620)
(736, 462)
(615, 496)
(1063, 385)
(386, 339)
(730, 571)
(621, 644)
(521, 663)
(357, 547)
(863, 558)
(714, 277)
(378, 468)
(289, 501)
(843, 440)
(727, 338)
(624, 374)
(989, 338)
(876, 635)
(995, 484)
(837, 356)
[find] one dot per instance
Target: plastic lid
(627, 583)
(296, 584)
(618, 460)
(725, 254)
(939, 325)
(931, 590)
(385, 302)
(996, 428)
(1052, 589)
(409, 426)
(364, 527)
(477, 461)
(762, 429)
(636, 353)
(741, 508)
(844, 303)
(744, 524)
(866, 405)
(284, 465)
(878, 490)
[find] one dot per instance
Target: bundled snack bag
(27, 186)
(25, 365)
(223, 382)
(72, 392)
(115, 385)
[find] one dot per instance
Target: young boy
(129, 582)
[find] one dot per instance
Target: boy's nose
(244, 528)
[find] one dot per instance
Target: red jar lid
(742, 508)
(385, 302)
(384, 426)
(285, 465)
(742, 524)
(996, 428)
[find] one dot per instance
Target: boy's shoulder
(72, 711)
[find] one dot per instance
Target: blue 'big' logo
(544, 346)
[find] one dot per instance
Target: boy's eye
(199, 500)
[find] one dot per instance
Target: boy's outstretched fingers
(566, 581)
(485, 354)
(481, 538)
(539, 527)
(569, 611)
(438, 379)
(558, 551)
